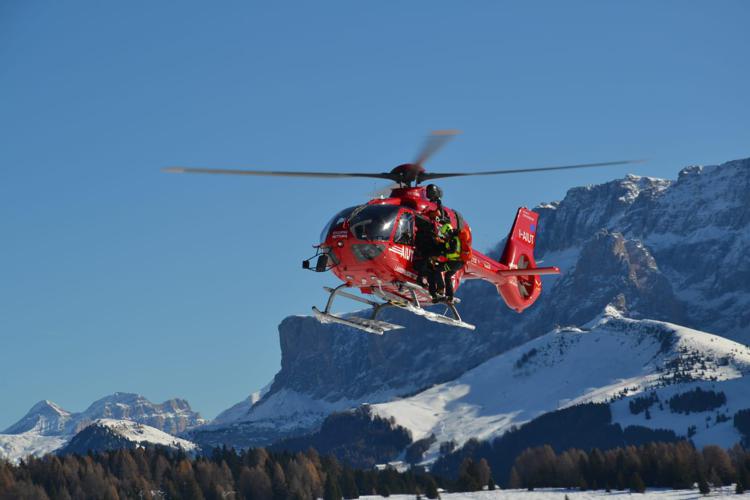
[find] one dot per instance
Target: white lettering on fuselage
(403, 251)
(526, 236)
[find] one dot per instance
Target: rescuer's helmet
(433, 192)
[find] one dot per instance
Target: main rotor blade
(435, 141)
(275, 173)
(426, 176)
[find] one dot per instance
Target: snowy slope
(565, 494)
(44, 418)
(606, 359)
(139, 433)
(14, 447)
(240, 410)
(708, 429)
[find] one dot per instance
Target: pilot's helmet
(433, 192)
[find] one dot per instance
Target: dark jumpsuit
(451, 252)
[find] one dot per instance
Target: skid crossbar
(378, 327)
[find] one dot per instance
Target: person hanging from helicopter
(429, 245)
(451, 259)
(435, 195)
(426, 248)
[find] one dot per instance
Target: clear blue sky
(117, 277)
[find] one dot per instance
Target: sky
(115, 276)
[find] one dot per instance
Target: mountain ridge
(567, 367)
(47, 427)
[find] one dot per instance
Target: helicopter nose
(367, 251)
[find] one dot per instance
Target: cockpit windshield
(335, 221)
(373, 222)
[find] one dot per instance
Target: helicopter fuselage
(376, 246)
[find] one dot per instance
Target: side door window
(404, 234)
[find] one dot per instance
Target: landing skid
(378, 327)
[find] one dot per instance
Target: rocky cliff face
(665, 250)
(172, 416)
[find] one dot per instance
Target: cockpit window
(374, 222)
(337, 219)
(405, 229)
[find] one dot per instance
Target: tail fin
(521, 286)
(519, 248)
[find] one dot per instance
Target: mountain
(108, 434)
(44, 418)
(46, 427)
(606, 360)
(241, 409)
(14, 447)
(47, 418)
(667, 250)
(172, 416)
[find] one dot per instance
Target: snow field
(560, 494)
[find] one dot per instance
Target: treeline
(257, 474)
(582, 427)
(742, 423)
(663, 465)
(153, 473)
(358, 438)
(697, 401)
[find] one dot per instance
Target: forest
(257, 474)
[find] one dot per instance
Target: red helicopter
(372, 247)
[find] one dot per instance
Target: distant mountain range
(640, 256)
(48, 427)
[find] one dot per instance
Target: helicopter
(373, 247)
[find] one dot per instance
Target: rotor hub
(407, 173)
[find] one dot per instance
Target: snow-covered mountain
(47, 427)
(47, 418)
(106, 434)
(669, 250)
(604, 360)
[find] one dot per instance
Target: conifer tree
(703, 486)
(348, 484)
(636, 483)
(431, 488)
(515, 480)
(332, 491)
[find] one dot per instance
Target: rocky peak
(45, 418)
(585, 210)
(172, 416)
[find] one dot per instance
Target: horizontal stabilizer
(532, 271)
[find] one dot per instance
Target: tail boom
(515, 275)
